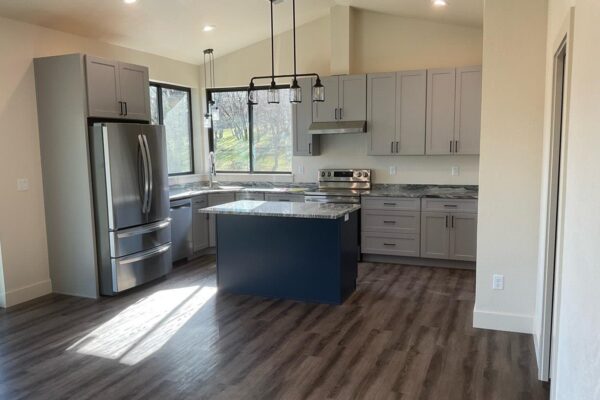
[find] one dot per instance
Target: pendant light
(318, 91)
(213, 109)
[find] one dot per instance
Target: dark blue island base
(306, 259)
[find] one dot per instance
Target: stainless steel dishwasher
(181, 229)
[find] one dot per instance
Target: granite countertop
(427, 191)
(283, 209)
(184, 191)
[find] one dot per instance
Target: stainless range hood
(328, 128)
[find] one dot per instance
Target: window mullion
(251, 137)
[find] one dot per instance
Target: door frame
(554, 198)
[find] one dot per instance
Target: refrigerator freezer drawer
(140, 238)
(139, 268)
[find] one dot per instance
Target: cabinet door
(135, 91)
(215, 200)
(441, 85)
(326, 111)
(353, 98)
(200, 224)
(381, 113)
(434, 235)
(294, 198)
(463, 236)
(302, 114)
(467, 119)
(103, 90)
(411, 103)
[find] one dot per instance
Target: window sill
(250, 177)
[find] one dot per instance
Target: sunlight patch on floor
(144, 327)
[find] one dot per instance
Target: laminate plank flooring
(406, 333)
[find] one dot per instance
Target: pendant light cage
(209, 83)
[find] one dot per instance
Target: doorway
(553, 217)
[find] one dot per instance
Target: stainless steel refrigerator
(131, 204)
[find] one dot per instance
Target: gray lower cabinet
(200, 223)
(215, 199)
(296, 198)
(449, 229)
(305, 144)
(250, 196)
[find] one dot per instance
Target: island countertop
(283, 209)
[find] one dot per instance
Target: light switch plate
(22, 184)
(392, 170)
(455, 171)
(498, 282)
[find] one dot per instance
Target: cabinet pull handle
(446, 221)
(121, 108)
(389, 222)
(125, 108)
(341, 117)
(397, 145)
(453, 222)
(456, 146)
(389, 204)
(309, 148)
(336, 114)
(451, 146)
(389, 244)
(450, 205)
(391, 147)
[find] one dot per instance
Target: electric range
(340, 186)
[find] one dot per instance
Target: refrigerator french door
(131, 196)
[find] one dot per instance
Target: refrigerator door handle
(144, 255)
(150, 178)
(137, 231)
(145, 208)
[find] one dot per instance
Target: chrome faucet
(213, 169)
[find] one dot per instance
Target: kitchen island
(298, 251)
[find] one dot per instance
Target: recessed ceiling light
(440, 3)
(129, 1)
(208, 28)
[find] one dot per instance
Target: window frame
(159, 86)
(211, 140)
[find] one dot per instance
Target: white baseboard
(26, 293)
(499, 321)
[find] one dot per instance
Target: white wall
(379, 43)
(22, 223)
(578, 356)
(514, 42)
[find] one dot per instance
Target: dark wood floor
(405, 334)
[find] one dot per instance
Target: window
(172, 107)
(256, 139)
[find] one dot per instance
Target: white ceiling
(173, 28)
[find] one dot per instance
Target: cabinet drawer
(297, 198)
(391, 203)
(200, 201)
(249, 196)
(391, 221)
(449, 205)
(215, 199)
(390, 244)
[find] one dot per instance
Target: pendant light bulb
(318, 91)
(273, 94)
(207, 121)
(252, 95)
(216, 114)
(295, 92)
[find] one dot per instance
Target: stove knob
(358, 174)
(329, 174)
(366, 174)
(323, 174)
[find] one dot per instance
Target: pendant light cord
(272, 48)
(294, 25)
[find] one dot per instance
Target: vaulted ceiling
(174, 28)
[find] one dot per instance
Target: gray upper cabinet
(463, 237)
(103, 88)
(117, 90)
(453, 110)
(441, 93)
(353, 99)
(467, 119)
(396, 105)
(411, 92)
(135, 91)
(345, 99)
(305, 144)
(381, 113)
(327, 110)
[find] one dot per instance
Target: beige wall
(380, 43)
(514, 42)
(22, 229)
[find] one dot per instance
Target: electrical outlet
(392, 170)
(22, 184)
(498, 282)
(455, 171)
